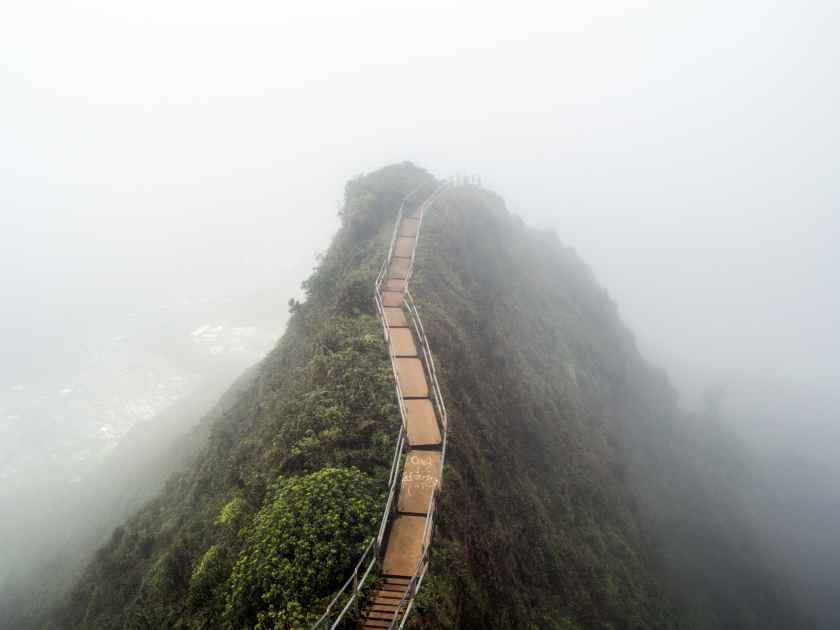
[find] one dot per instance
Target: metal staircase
(380, 591)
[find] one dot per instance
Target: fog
(163, 155)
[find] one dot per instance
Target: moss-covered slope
(575, 495)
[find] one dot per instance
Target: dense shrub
(300, 545)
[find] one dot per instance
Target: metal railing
(352, 588)
(407, 601)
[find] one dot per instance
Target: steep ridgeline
(576, 493)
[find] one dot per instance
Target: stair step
(395, 317)
(390, 598)
(399, 268)
(385, 603)
(412, 380)
(404, 246)
(408, 227)
(384, 616)
(395, 579)
(382, 608)
(392, 298)
(402, 342)
(421, 475)
(387, 598)
(391, 609)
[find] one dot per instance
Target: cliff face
(575, 494)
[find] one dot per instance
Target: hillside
(576, 494)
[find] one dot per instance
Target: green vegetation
(301, 543)
(576, 495)
(262, 527)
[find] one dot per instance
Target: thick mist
(163, 164)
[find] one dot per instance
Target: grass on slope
(572, 478)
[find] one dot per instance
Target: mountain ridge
(572, 496)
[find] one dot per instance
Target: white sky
(687, 150)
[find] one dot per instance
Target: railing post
(356, 591)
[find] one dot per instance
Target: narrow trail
(380, 593)
(424, 417)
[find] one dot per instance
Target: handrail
(383, 270)
(429, 363)
(400, 615)
(375, 544)
(422, 565)
(353, 578)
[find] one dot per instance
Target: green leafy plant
(301, 544)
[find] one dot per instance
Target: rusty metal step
(412, 378)
(399, 268)
(383, 608)
(402, 342)
(383, 603)
(420, 477)
(404, 247)
(395, 317)
(405, 545)
(384, 616)
(395, 284)
(391, 579)
(408, 227)
(392, 298)
(385, 599)
(387, 602)
(422, 424)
